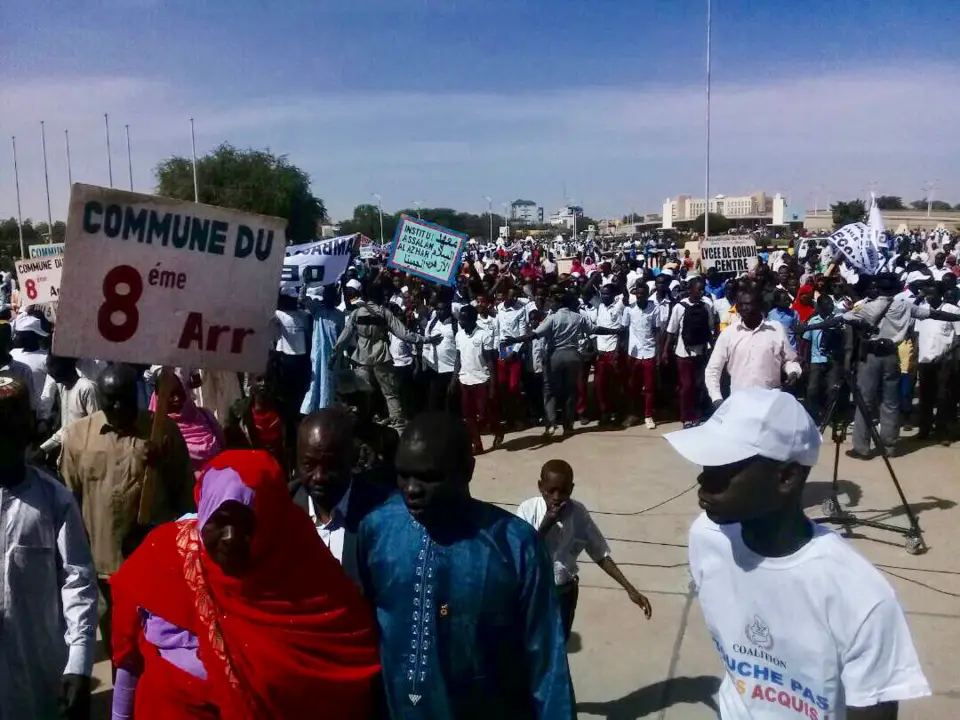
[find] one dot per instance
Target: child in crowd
(567, 530)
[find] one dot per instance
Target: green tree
(845, 213)
(940, 206)
(919, 204)
(366, 221)
(251, 180)
(890, 202)
(719, 224)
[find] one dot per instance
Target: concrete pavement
(642, 497)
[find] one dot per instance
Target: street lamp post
(380, 212)
(706, 178)
(417, 204)
(490, 213)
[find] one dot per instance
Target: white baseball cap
(29, 323)
(751, 422)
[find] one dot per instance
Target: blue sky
(445, 102)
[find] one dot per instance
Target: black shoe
(857, 455)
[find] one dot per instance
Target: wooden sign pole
(157, 429)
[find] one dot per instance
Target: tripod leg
(915, 541)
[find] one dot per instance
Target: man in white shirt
(567, 530)
(642, 319)
(29, 332)
(607, 380)
(691, 329)
(336, 500)
(513, 320)
(439, 359)
(475, 371)
(806, 626)
(76, 396)
(936, 340)
(755, 351)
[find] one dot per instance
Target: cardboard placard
(426, 250)
(153, 280)
(39, 280)
(45, 250)
(734, 254)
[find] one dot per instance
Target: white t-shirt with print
(643, 324)
(802, 636)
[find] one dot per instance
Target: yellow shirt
(106, 469)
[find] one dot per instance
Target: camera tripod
(832, 512)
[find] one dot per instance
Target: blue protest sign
(427, 250)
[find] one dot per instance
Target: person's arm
(543, 643)
(883, 711)
(540, 331)
(397, 328)
(349, 329)
(673, 332)
(715, 365)
(177, 472)
(79, 596)
(790, 363)
(599, 551)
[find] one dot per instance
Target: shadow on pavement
(700, 690)
(574, 644)
(815, 492)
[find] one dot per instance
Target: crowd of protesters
(351, 432)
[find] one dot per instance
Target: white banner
(39, 280)
(859, 245)
(316, 263)
(734, 254)
(152, 280)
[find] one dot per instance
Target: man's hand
(791, 379)
(639, 599)
(717, 404)
(434, 340)
(454, 383)
(554, 513)
(74, 702)
(507, 342)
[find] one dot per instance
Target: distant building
(685, 207)
(567, 216)
(526, 212)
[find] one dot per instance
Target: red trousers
(606, 378)
(642, 374)
(510, 375)
(478, 411)
(586, 364)
(691, 372)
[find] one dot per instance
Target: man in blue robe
(468, 616)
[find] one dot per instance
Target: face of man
(432, 485)
(118, 399)
(746, 490)
(468, 318)
(642, 293)
(695, 290)
(748, 307)
(324, 463)
(228, 537)
(607, 295)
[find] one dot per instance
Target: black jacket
(364, 497)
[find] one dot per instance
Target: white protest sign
(368, 252)
(316, 263)
(39, 279)
(859, 246)
(734, 253)
(45, 250)
(152, 280)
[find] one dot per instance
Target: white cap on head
(752, 422)
(354, 285)
(29, 323)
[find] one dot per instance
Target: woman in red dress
(241, 613)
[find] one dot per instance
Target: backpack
(695, 326)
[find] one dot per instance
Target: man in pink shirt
(755, 352)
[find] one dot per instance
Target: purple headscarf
(217, 487)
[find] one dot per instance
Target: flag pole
(129, 159)
(193, 146)
(706, 181)
(16, 176)
(46, 180)
(106, 129)
(66, 141)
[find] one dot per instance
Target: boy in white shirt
(567, 530)
(806, 626)
(643, 348)
(936, 340)
(475, 371)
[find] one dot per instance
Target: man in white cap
(805, 625)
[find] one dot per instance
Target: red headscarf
(289, 637)
(804, 311)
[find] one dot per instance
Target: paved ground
(640, 492)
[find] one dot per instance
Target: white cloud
(613, 149)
